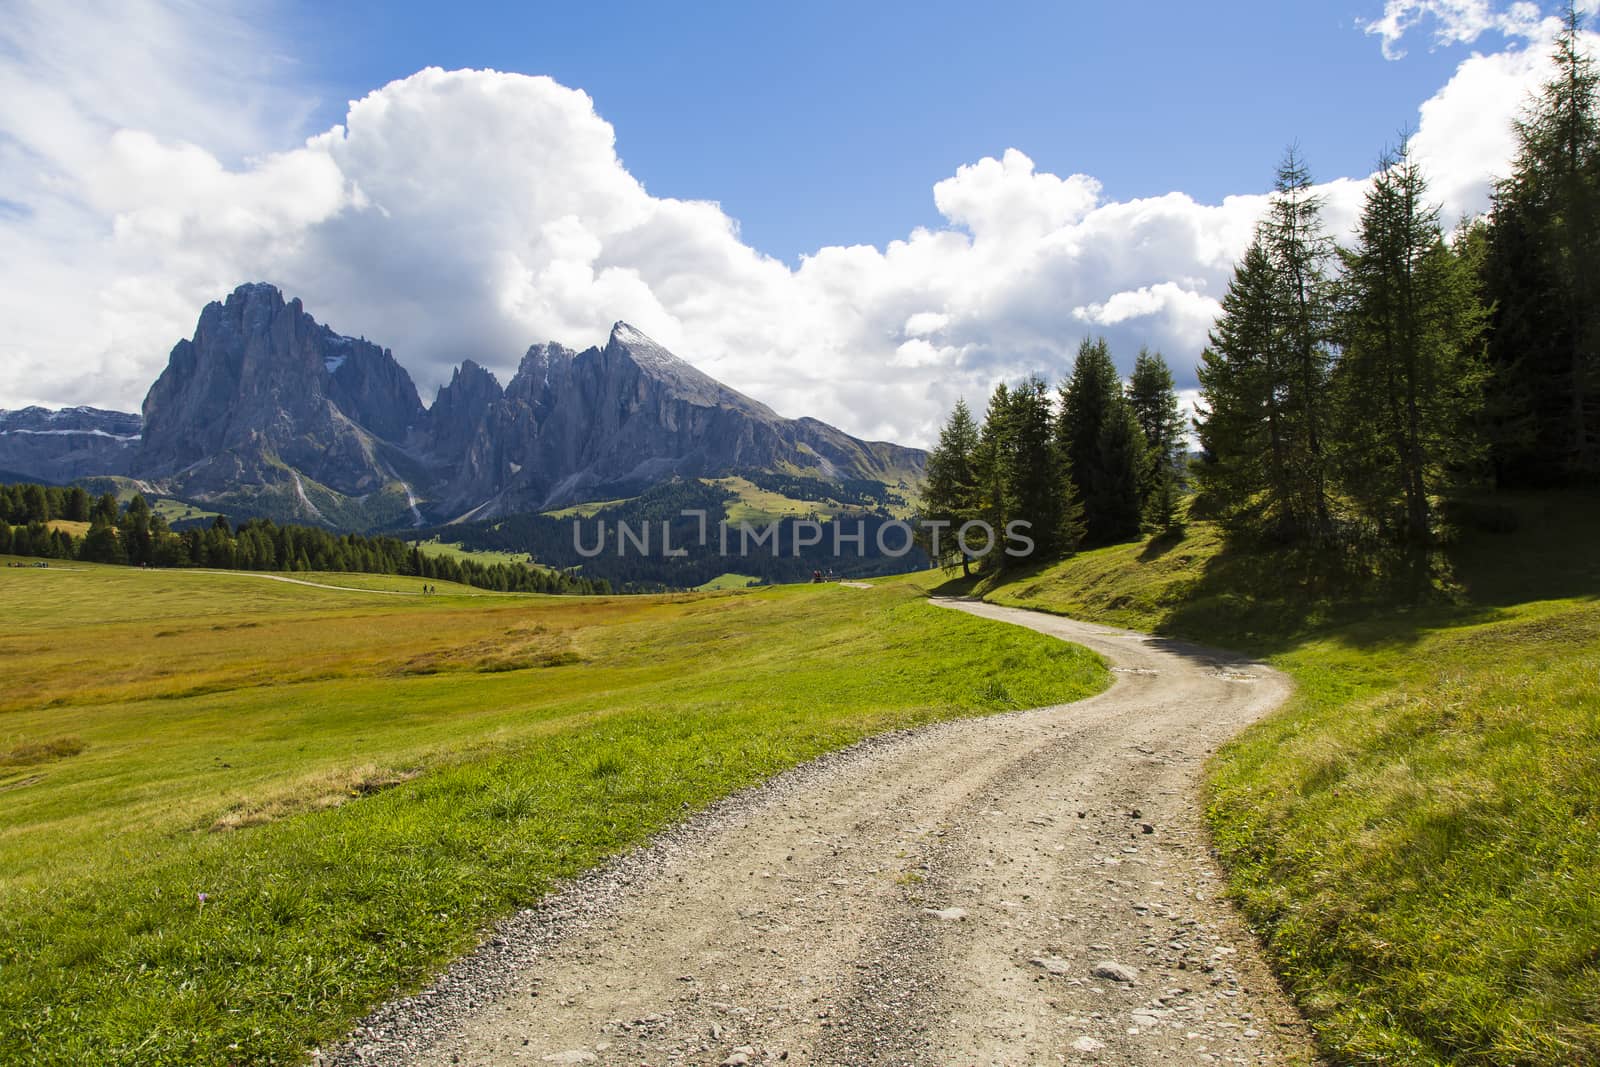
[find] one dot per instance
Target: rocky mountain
(610, 422)
(58, 446)
(264, 410)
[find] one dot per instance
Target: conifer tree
(36, 504)
(1155, 408)
(952, 492)
(134, 527)
(1409, 382)
(1102, 445)
(1543, 276)
(993, 441)
(1265, 408)
(1300, 251)
(1035, 477)
(102, 545)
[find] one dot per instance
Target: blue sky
(857, 212)
(827, 123)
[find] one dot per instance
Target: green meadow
(1416, 835)
(235, 813)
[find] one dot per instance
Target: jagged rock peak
(473, 372)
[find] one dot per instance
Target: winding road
(1029, 888)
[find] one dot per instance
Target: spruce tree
(1035, 471)
(1102, 445)
(102, 545)
(134, 526)
(993, 442)
(1300, 251)
(1160, 417)
(1244, 464)
(952, 492)
(1409, 383)
(1265, 408)
(36, 504)
(1543, 277)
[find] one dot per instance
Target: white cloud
(471, 213)
(1454, 21)
(925, 323)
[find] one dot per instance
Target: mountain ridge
(265, 410)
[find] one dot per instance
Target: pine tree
(1103, 447)
(1242, 439)
(36, 504)
(1543, 276)
(1035, 471)
(102, 545)
(1300, 250)
(993, 440)
(952, 492)
(134, 526)
(1154, 400)
(1409, 382)
(105, 509)
(76, 505)
(1265, 409)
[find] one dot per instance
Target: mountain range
(266, 411)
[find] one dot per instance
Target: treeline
(138, 536)
(1344, 389)
(1091, 463)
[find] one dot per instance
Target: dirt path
(302, 581)
(971, 893)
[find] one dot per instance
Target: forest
(31, 518)
(1347, 389)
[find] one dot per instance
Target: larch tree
(1409, 381)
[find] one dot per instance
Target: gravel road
(1030, 888)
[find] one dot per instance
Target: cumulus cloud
(457, 214)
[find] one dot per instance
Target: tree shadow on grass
(1266, 598)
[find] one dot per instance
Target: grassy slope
(727, 581)
(1417, 833)
(754, 504)
(359, 783)
(487, 557)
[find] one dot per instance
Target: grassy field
(728, 581)
(1416, 835)
(586, 511)
(237, 812)
(485, 556)
(759, 506)
(178, 510)
(76, 529)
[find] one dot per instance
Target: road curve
(974, 892)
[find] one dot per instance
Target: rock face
(612, 421)
(266, 409)
(262, 391)
(58, 446)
